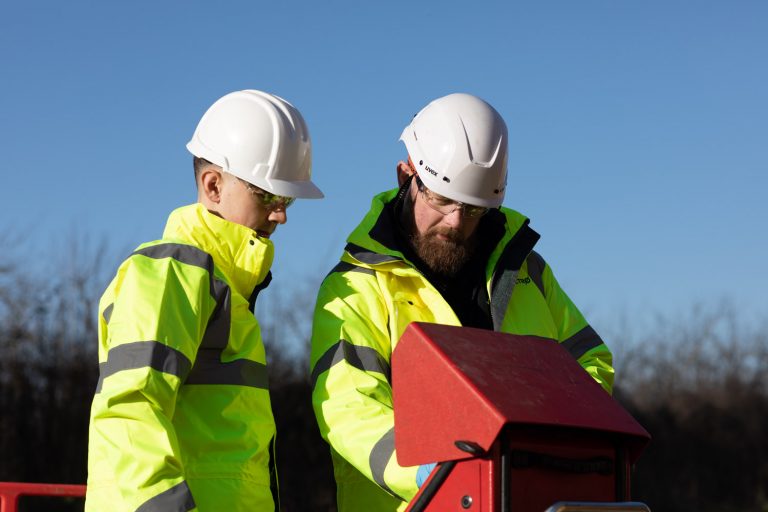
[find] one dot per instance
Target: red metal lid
(459, 383)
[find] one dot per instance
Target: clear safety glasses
(447, 206)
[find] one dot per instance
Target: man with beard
(439, 249)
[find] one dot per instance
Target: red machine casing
(536, 418)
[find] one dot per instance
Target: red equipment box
(515, 422)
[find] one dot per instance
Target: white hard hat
(260, 138)
(458, 144)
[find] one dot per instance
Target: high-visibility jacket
(181, 419)
(363, 307)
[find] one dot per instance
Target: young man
(438, 249)
(181, 419)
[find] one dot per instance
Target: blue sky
(638, 130)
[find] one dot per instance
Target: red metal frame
(10, 492)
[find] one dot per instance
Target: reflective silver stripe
(536, 266)
(362, 358)
(506, 271)
(209, 369)
(367, 256)
(144, 354)
(582, 342)
(501, 294)
(380, 454)
(217, 331)
(176, 499)
(107, 313)
(187, 254)
(343, 266)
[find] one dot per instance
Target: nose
(454, 219)
(278, 216)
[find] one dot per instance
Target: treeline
(697, 384)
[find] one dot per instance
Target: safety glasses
(447, 206)
(270, 202)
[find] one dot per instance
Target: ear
(404, 171)
(209, 185)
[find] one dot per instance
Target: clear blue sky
(639, 129)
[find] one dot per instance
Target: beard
(445, 257)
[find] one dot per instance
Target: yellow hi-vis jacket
(181, 419)
(363, 307)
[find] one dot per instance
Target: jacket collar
(373, 240)
(237, 251)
